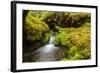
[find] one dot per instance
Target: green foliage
(64, 59)
(34, 27)
(77, 56)
(62, 39)
(73, 51)
(77, 40)
(81, 38)
(75, 19)
(86, 25)
(46, 37)
(42, 15)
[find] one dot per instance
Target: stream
(47, 52)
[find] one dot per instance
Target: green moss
(77, 56)
(77, 40)
(62, 40)
(46, 37)
(81, 38)
(76, 19)
(65, 59)
(73, 50)
(34, 27)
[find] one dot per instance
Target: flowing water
(47, 52)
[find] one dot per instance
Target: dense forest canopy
(71, 31)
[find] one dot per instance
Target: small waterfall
(49, 47)
(51, 40)
(47, 52)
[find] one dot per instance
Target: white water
(51, 40)
(47, 52)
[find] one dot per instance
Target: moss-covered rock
(34, 27)
(81, 39)
(35, 32)
(46, 37)
(75, 19)
(77, 40)
(62, 40)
